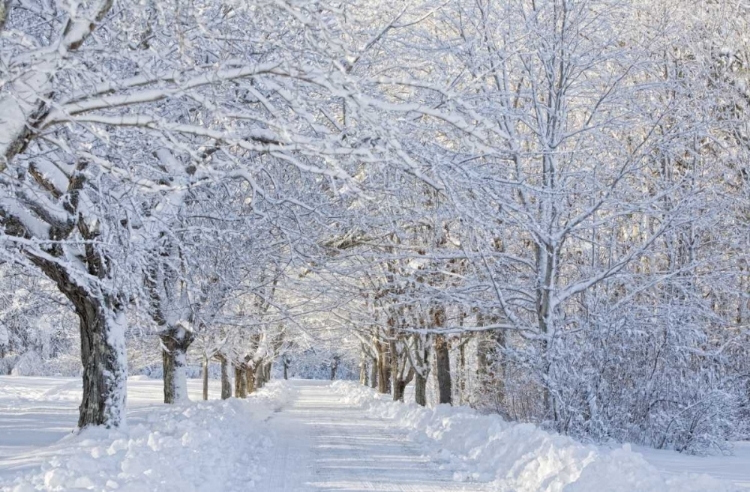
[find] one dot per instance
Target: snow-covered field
(201, 446)
(308, 436)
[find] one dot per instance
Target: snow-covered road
(306, 436)
(324, 444)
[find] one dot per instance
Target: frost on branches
(539, 209)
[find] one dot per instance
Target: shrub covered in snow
(28, 364)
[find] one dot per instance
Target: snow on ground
(524, 458)
(311, 436)
(199, 446)
(323, 444)
(734, 467)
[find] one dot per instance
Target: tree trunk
(175, 343)
(105, 370)
(363, 372)
(420, 390)
(443, 369)
(374, 373)
(422, 372)
(547, 258)
(240, 381)
(485, 358)
(205, 377)
(490, 369)
(462, 373)
(384, 369)
(250, 377)
(399, 386)
(398, 365)
(267, 372)
(286, 362)
(102, 328)
(259, 376)
(334, 368)
(226, 385)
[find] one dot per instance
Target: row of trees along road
(538, 208)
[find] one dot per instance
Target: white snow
(313, 436)
(321, 443)
(524, 458)
(734, 467)
(18, 105)
(198, 446)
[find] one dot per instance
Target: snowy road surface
(311, 436)
(324, 444)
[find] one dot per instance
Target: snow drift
(193, 447)
(521, 457)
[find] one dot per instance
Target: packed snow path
(323, 444)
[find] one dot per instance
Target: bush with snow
(28, 364)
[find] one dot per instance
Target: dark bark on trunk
(250, 378)
(462, 374)
(485, 357)
(226, 384)
(384, 369)
(490, 368)
(422, 372)
(398, 389)
(175, 343)
(398, 366)
(420, 390)
(374, 373)
(101, 324)
(240, 381)
(205, 377)
(334, 367)
(399, 385)
(104, 366)
(267, 372)
(100, 311)
(286, 363)
(443, 370)
(260, 376)
(363, 372)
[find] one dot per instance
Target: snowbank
(200, 446)
(274, 396)
(521, 457)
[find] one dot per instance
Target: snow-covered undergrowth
(521, 457)
(199, 446)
